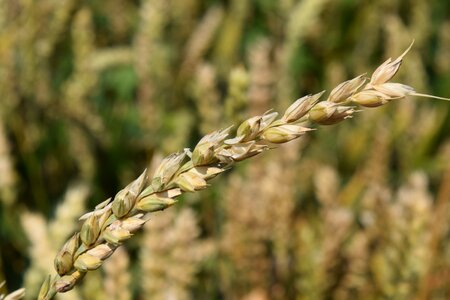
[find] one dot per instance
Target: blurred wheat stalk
(19, 294)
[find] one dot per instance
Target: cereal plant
(218, 183)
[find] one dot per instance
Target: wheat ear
(116, 220)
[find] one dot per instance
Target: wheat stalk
(16, 295)
(115, 220)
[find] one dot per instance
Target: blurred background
(93, 92)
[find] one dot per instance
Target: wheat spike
(116, 220)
